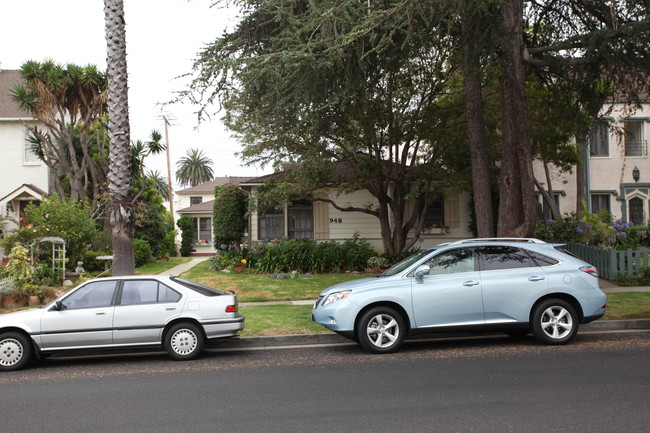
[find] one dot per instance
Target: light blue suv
(480, 285)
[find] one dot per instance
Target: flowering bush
(594, 229)
(71, 220)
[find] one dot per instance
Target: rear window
(541, 259)
(199, 288)
(503, 257)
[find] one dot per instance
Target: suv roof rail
(530, 240)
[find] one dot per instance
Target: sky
(163, 38)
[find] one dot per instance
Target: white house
(198, 202)
(25, 178)
(617, 168)
(447, 219)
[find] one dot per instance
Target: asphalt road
(600, 383)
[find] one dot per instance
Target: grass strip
(160, 265)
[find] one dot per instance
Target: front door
(451, 294)
(85, 318)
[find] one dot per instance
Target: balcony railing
(636, 147)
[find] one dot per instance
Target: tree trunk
(476, 127)
(517, 207)
(120, 178)
(581, 187)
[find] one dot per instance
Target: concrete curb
(331, 338)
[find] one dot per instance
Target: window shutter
(321, 223)
(452, 214)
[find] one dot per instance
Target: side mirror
(58, 305)
(421, 271)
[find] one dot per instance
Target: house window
(29, 156)
(635, 145)
(195, 200)
(300, 220)
(202, 231)
(435, 215)
(600, 203)
(271, 225)
(546, 209)
(599, 139)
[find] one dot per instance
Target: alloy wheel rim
(11, 352)
(556, 322)
(184, 341)
(382, 330)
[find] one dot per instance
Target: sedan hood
(23, 316)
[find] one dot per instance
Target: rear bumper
(223, 328)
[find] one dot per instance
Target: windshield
(399, 267)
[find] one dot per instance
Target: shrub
(356, 253)
(229, 215)
(141, 252)
(186, 224)
(327, 257)
(378, 262)
(91, 264)
(71, 220)
(21, 272)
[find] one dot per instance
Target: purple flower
(579, 229)
(621, 235)
(549, 221)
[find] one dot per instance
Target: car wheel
(381, 330)
(15, 351)
(184, 341)
(555, 322)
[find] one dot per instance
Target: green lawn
(161, 265)
(628, 305)
(251, 287)
(279, 320)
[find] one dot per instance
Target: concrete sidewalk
(184, 267)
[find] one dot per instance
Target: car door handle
(536, 278)
(100, 313)
(471, 283)
(170, 308)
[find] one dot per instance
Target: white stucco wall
(15, 171)
(611, 174)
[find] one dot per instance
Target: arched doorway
(635, 210)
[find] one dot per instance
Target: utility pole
(169, 169)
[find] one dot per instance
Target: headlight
(337, 296)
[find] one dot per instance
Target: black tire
(184, 341)
(15, 351)
(381, 330)
(555, 322)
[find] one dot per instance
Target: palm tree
(194, 168)
(159, 182)
(120, 176)
(54, 93)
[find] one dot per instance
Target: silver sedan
(119, 312)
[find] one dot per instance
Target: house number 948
(336, 220)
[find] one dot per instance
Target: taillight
(231, 309)
(591, 270)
